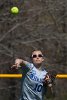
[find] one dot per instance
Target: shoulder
(30, 65)
(43, 69)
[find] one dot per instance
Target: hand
(17, 63)
(47, 77)
(48, 80)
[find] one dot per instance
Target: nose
(37, 57)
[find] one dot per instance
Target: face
(37, 57)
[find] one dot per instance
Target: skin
(38, 60)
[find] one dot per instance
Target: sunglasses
(35, 56)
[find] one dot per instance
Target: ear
(43, 59)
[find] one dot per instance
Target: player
(35, 76)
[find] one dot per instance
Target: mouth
(38, 61)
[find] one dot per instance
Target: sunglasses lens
(40, 55)
(34, 56)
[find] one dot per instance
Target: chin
(38, 63)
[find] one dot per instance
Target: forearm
(20, 63)
(23, 62)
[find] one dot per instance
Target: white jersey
(32, 83)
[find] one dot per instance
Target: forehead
(36, 52)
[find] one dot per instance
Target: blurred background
(40, 24)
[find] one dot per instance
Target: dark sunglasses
(35, 56)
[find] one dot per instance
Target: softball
(14, 10)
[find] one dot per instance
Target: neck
(38, 66)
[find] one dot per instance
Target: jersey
(32, 84)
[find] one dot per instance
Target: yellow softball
(14, 10)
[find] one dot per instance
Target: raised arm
(19, 63)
